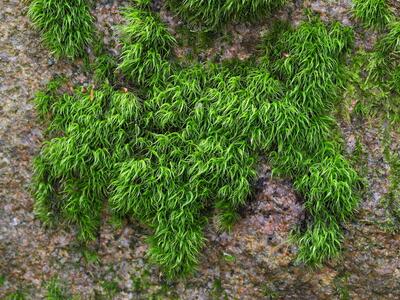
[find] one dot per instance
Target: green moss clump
(164, 162)
(213, 13)
(105, 66)
(307, 149)
(93, 129)
(373, 13)
(146, 47)
(66, 26)
(386, 57)
(191, 145)
(18, 295)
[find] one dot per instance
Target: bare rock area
(255, 261)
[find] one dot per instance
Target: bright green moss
(146, 47)
(214, 13)
(373, 13)
(188, 148)
(306, 144)
(76, 167)
(191, 145)
(66, 26)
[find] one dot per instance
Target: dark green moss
(217, 291)
(2, 280)
(269, 291)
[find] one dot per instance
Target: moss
(373, 13)
(141, 283)
(391, 200)
(377, 100)
(229, 258)
(105, 66)
(269, 291)
(189, 145)
(58, 174)
(310, 151)
(196, 42)
(210, 14)
(18, 295)
(55, 291)
(386, 54)
(340, 283)
(66, 26)
(2, 280)
(146, 47)
(90, 256)
(110, 288)
(145, 288)
(217, 291)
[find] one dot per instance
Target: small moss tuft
(66, 26)
(146, 47)
(373, 13)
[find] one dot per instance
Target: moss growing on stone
(66, 26)
(373, 13)
(146, 47)
(211, 14)
(190, 144)
(309, 150)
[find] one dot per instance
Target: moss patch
(66, 26)
(186, 144)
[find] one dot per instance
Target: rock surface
(254, 261)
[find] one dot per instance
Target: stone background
(254, 261)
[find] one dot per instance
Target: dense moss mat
(190, 144)
(385, 63)
(373, 13)
(307, 146)
(66, 26)
(146, 47)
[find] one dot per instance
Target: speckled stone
(254, 261)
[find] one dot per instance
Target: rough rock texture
(254, 261)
